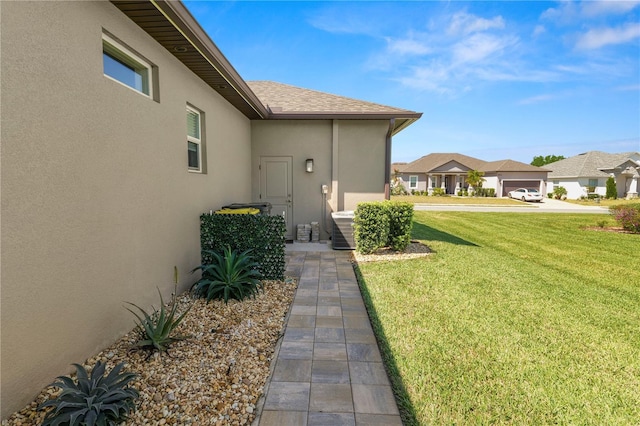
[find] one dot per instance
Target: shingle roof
(283, 98)
(398, 166)
(587, 164)
(433, 161)
(510, 166)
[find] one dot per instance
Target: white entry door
(276, 188)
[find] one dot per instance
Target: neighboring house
(449, 172)
(122, 123)
(588, 172)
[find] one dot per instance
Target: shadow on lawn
(423, 232)
(407, 410)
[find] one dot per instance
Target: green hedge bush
(485, 192)
(370, 226)
(380, 224)
(400, 221)
(263, 235)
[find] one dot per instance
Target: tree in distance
(540, 161)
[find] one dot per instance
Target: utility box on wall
(342, 235)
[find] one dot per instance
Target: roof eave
(235, 90)
(311, 115)
(403, 119)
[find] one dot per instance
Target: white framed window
(413, 182)
(593, 182)
(194, 140)
(121, 64)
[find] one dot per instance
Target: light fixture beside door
(309, 165)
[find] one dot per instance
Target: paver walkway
(328, 369)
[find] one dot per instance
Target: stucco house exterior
(100, 194)
(449, 171)
(589, 171)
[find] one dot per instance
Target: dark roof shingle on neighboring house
(431, 162)
(510, 166)
(587, 164)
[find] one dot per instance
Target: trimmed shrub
(380, 224)
(485, 192)
(262, 234)
(371, 226)
(439, 192)
(612, 191)
(628, 216)
(400, 222)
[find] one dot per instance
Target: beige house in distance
(122, 123)
(449, 171)
(589, 171)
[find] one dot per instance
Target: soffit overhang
(402, 121)
(173, 26)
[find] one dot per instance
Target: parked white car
(526, 194)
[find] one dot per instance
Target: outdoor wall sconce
(309, 165)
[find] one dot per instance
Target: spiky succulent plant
(93, 399)
(158, 326)
(230, 275)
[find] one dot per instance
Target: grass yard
(493, 201)
(515, 318)
(603, 202)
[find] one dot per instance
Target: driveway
(547, 205)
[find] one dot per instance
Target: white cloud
(597, 38)
(539, 29)
(464, 23)
(536, 99)
(630, 88)
(408, 47)
(480, 46)
(572, 11)
(607, 7)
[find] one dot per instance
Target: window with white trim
(124, 66)
(413, 182)
(194, 140)
(593, 182)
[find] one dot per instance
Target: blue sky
(494, 80)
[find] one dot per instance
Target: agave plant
(231, 275)
(157, 327)
(92, 399)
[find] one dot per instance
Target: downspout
(387, 161)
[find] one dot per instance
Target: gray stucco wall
(97, 202)
(349, 157)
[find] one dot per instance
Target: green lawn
(424, 199)
(515, 318)
(603, 202)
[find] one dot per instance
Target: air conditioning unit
(342, 236)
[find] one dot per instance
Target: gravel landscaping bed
(213, 378)
(414, 250)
